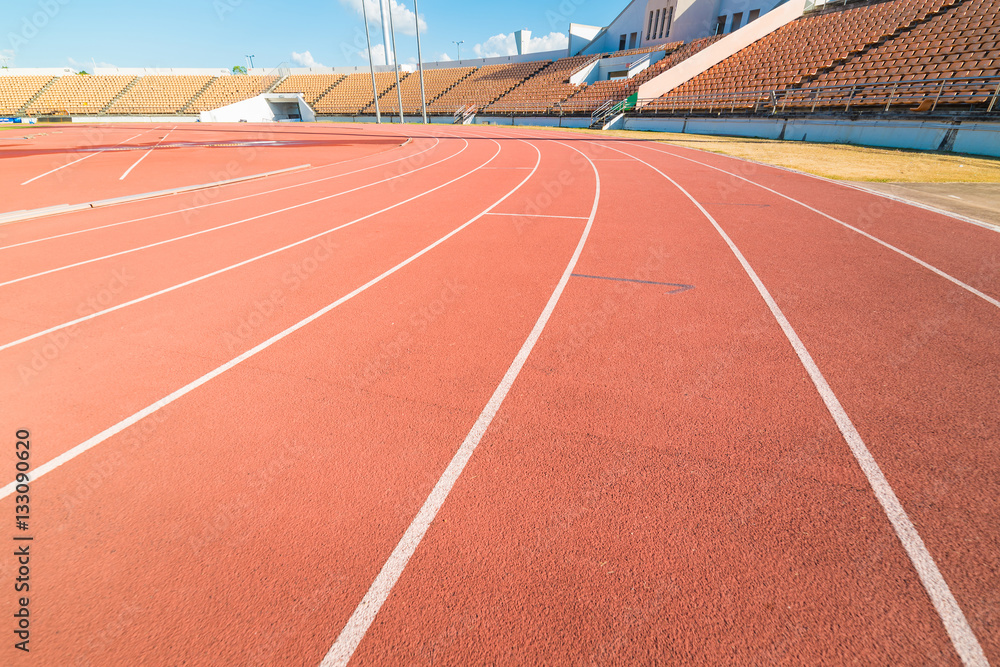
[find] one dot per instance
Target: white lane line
(237, 265)
(357, 626)
(538, 215)
(961, 634)
(90, 155)
(229, 201)
(146, 154)
(929, 267)
(228, 224)
(76, 451)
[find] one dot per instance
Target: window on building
(621, 43)
(649, 26)
(754, 14)
(720, 26)
(665, 28)
(632, 39)
(737, 19)
(656, 25)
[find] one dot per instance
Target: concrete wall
(976, 138)
(261, 109)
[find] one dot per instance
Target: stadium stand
(312, 86)
(79, 94)
(962, 42)
(436, 83)
(225, 90)
(798, 51)
(485, 85)
(157, 94)
(599, 92)
(17, 91)
(548, 87)
(353, 93)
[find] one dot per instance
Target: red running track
(501, 396)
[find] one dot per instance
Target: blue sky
(218, 33)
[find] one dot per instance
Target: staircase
(124, 90)
(24, 108)
(184, 108)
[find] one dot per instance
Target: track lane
(397, 444)
(658, 493)
(858, 297)
(962, 251)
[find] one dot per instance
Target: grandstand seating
(15, 91)
(547, 88)
(485, 85)
(79, 94)
(436, 83)
(963, 41)
(157, 94)
(312, 86)
(353, 93)
(599, 92)
(801, 49)
(225, 90)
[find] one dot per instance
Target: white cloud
(7, 57)
(402, 16)
(89, 65)
(305, 59)
(378, 54)
(443, 58)
(504, 45)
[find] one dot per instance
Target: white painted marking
(76, 451)
(228, 224)
(146, 154)
(228, 201)
(954, 197)
(89, 155)
(539, 215)
(357, 626)
(929, 267)
(234, 266)
(961, 634)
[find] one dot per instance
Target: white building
(652, 22)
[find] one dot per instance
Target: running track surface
(477, 395)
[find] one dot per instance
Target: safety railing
(919, 95)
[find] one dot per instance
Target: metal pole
(996, 93)
(395, 64)
(459, 45)
(385, 29)
(420, 63)
(371, 62)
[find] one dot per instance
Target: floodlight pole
(385, 29)
(459, 45)
(420, 63)
(395, 64)
(371, 62)
(250, 60)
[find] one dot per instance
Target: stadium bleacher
(312, 86)
(353, 93)
(436, 83)
(158, 94)
(862, 54)
(16, 91)
(800, 50)
(544, 90)
(225, 90)
(79, 94)
(485, 85)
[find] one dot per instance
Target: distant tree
(239, 69)
(83, 72)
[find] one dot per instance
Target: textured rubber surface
(661, 484)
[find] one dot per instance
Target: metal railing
(979, 93)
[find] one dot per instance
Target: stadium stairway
(120, 93)
(38, 93)
(184, 109)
